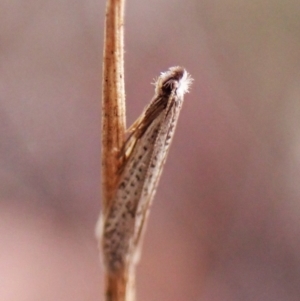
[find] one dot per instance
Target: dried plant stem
(113, 129)
(121, 286)
(113, 98)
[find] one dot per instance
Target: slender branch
(121, 286)
(118, 287)
(113, 98)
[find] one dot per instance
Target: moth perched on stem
(142, 158)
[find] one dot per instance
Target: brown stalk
(118, 287)
(113, 97)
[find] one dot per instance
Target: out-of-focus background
(226, 218)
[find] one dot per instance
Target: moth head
(175, 79)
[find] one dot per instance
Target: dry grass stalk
(113, 126)
(113, 98)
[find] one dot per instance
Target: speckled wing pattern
(143, 156)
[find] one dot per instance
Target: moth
(142, 159)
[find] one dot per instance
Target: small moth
(142, 159)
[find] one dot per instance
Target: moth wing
(138, 128)
(158, 159)
(120, 221)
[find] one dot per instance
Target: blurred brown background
(225, 222)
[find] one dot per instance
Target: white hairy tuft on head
(176, 79)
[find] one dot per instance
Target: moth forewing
(158, 159)
(144, 154)
(119, 225)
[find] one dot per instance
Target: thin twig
(113, 128)
(113, 98)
